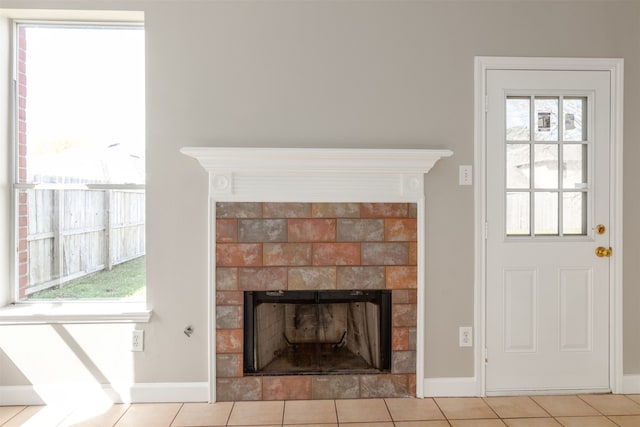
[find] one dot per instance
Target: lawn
(124, 281)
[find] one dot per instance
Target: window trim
(68, 311)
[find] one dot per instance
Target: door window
(547, 174)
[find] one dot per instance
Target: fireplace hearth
(317, 332)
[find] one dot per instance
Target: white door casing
(551, 316)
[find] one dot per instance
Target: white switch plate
(466, 175)
(465, 336)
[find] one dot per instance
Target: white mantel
(368, 175)
(243, 174)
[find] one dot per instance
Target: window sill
(48, 313)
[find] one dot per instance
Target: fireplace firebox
(317, 332)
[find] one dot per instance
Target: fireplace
(312, 196)
(317, 332)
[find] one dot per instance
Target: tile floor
(571, 411)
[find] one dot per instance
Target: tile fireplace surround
(315, 219)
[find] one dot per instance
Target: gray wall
(329, 74)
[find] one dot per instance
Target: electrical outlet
(465, 336)
(465, 175)
(137, 340)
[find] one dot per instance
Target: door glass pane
(574, 166)
(518, 214)
(545, 157)
(546, 213)
(546, 119)
(518, 165)
(518, 119)
(574, 110)
(574, 214)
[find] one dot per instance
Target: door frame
(616, 68)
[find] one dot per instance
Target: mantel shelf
(344, 161)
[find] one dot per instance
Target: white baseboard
(64, 394)
(630, 384)
(451, 387)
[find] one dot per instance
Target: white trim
(450, 387)
(72, 312)
(75, 393)
(316, 175)
(615, 66)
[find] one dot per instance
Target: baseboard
(451, 387)
(116, 393)
(630, 384)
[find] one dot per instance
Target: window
(79, 165)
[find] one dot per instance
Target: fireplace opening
(317, 332)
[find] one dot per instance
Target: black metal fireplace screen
(317, 332)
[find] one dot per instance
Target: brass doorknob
(601, 252)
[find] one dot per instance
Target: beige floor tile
(626, 420)
(39, 416)
(367, 424)
(362, 410)
(532, 422)
(203, 414)
(634, 397)
(8, 412)
(516, 407)
(464, 408)
(314, 425)
(586, 422)
(416, 424)
(409, 409)
(477, 423)
(565, 406)
(310, 412)
(149, 414)
(97, 416)
(256, 413)
(612, 404)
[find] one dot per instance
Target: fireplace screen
(317, 332)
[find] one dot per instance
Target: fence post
(108, 228)
(58, 235)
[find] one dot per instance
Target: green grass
(124, 281)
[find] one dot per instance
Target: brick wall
(21, 164)
(315, 246)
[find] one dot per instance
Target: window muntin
(546, 171)
(80, 173)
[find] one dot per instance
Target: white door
(547, 177)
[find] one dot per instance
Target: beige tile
(256, 413)
(410, 409)
(415, 424)
(203, 414)
(626, 420)
(368, 424)
(39, 416)
(362, 410)
(532, 422)
(612, 404)
(477, 423)
(149, 414)
(310, 412)
(565, 406)
(8, 412)
(634, 397)
(586, 422)
(464, 408)
(314, 425)
(96, 416)
(516, 407)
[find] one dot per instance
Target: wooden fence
(72, 233)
